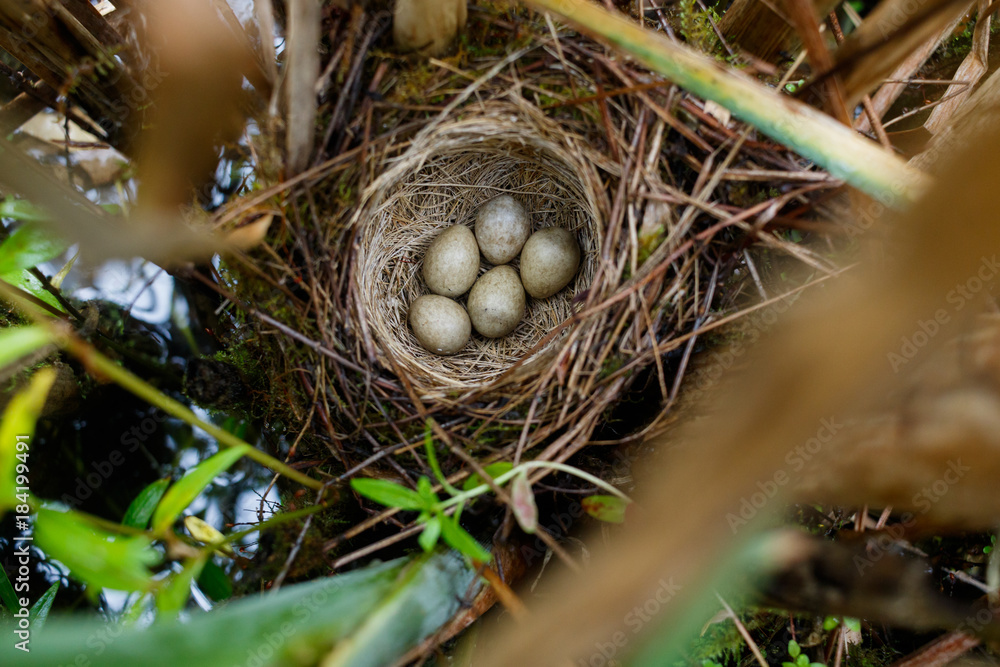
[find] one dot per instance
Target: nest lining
(450, 171)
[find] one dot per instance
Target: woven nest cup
(442, 180)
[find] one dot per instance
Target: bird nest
(342, 271)
(659, 193)
(450, 171)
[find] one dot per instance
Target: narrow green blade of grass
(811, 133)
(388, 493)
(140, 510)
(39, 612)
(189, 487)
(7, 595)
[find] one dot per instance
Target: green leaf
(853, 624)
(93, 555)
(426, 492)
(374, 615)
(28, 246)
(388, 493)
(40, 610)
(207, 534)
(30, 284)
(17, 342)
(172, 598)
(494, 470)
(190, 486)
(793, 648)
(830, 622)
(7, 595)
(605, 508)
(140, 510)
(214, 583)
(432, 458)
(430, 534)
(458, 539)
(412, 608)
(16, 431)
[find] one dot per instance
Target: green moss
(610, 366)
(695, 24)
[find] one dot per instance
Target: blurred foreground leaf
(93, 555)
(373, 616)
(17, 342)
(16, 430)
(28, 246)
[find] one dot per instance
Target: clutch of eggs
(496, 304)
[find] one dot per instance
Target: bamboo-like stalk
(812, 134)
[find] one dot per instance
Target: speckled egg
(452, 262)
(502, 227)
(549, 261)
(441, 325)
(496, 302)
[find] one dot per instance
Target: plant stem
(835, 147)
(273, 520)
(96, 361)
(529, 465)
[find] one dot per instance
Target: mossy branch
(98, 363)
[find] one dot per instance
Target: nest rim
(500, 148)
